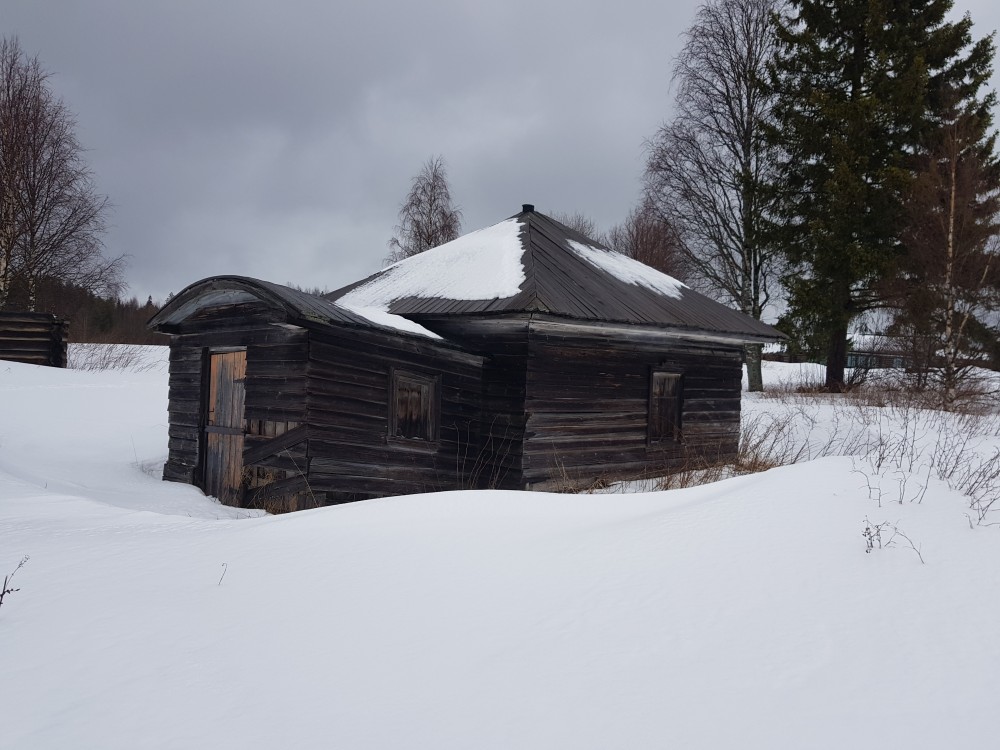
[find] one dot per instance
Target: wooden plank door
(224, 426)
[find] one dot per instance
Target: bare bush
(979, 480)
(872, 532)
(481, 464)
(8, 579)
(123, 357)
(901, 442)
(900, 446)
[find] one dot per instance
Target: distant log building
(521, 356)
(33, 338)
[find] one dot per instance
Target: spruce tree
(859, 85)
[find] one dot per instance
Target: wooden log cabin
(521, 356)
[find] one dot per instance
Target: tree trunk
(6, 255)
(836, 359)
(755, 378)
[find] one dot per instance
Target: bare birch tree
(428, 217)
(51, 217)
(707, 169)
(21, 82)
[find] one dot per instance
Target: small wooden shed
(524, 355)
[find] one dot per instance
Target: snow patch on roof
(482, 265)
(382, 317)
(628, 270)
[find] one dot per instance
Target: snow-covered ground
(742, 614)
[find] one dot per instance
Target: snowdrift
(746, 613)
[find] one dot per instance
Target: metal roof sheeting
(220, 290)
(560, 282)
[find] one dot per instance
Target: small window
(413, 407)
(664, 407)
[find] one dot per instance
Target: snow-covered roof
(533, 263)
(529, 263)
(481, 266)
(629, 270)
(217, 291)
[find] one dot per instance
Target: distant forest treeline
(92, 318)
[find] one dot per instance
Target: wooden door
(224, 426)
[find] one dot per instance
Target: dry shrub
(123, 357)
(766, 441)
(899, 436)
(899, 440)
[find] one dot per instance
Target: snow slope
(628, 269)
(742, 614)
(482, 265)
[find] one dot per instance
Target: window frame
(400, 377)
(655, 433)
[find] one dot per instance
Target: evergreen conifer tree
(859, 84)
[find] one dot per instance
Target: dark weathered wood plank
(33, 338)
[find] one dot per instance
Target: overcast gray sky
(277, 139)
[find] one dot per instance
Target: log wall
(351, 454)
(503, 341)
(566, 406)
(587, 407)
(534, 405)
(33, 338)
(317, 409)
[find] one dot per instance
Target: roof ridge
(532, 300)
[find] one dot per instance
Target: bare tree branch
(707, 170)
(427, 217)
(51, 217)
(581, 223)
(646, 237)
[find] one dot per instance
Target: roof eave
(617, 328)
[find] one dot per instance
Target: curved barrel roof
(217, 291)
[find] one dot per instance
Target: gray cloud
(276, 140)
